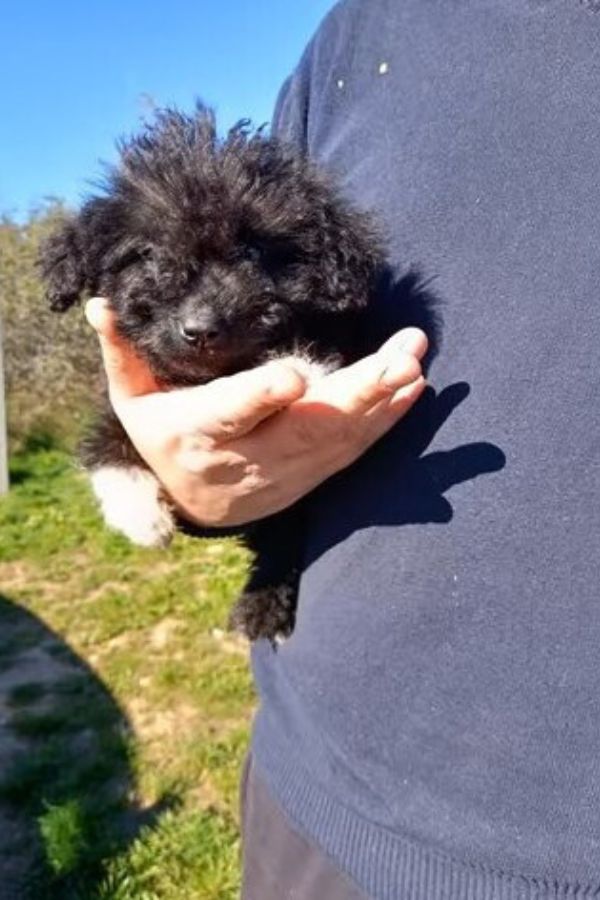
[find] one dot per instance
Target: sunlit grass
(128, 708)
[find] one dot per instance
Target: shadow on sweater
(398, 482)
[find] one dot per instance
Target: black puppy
(216, 255)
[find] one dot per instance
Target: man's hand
(245, 446)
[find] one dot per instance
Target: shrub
(52, 366)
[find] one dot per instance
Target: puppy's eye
(251, 253)
(274, 254)
(142, 312)
(281, 256)
(135, 257)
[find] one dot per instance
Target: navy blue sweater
(434, 721)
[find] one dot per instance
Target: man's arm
(249, 445)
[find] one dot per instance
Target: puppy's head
(214, 253)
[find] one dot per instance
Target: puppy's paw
(131, 502)
(267, 612)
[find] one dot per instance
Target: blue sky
(73, 75)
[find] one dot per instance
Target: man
(430, 731)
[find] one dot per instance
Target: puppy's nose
(203, 327)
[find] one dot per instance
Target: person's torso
(443, 679)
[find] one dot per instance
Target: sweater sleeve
(292, 108)
(302, 100)
(290, 117)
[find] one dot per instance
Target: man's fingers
(358, 388)
(128, 375)
(230, 407)
(384, 414)
(379, 420)
(409, 340)
(405, 397)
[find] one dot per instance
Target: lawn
(124, 703)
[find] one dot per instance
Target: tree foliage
(52, 366)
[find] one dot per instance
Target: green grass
(63, 830)
(128, 707)
(185, 842)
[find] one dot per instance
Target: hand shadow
(67, 787)
(397, 482)
(426, 477)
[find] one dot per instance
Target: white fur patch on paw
(130, 499)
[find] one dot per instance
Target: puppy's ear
(62, 266)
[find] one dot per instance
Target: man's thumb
(127, 374)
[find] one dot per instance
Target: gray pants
(278, 862)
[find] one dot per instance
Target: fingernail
(414, 341)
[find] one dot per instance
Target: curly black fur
(215, 254)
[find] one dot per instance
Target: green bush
(52, 365)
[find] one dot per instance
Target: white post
(3, 425)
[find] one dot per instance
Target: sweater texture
(433, 724)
